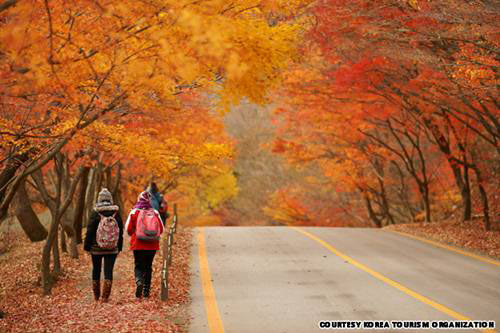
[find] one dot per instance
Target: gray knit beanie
(104, 198)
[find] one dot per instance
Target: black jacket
(90, 242)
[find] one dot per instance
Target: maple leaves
(186, 151)
(160, 47)
(395, 92)
(72, 64)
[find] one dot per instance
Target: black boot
(139, 282)
(147, 284)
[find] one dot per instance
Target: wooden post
(174, 223)
(170, 246)
(164, 271)
(167, 246)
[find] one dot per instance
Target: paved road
(279, 279)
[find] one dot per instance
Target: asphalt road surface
(281, 279)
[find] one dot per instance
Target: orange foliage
(397, 102)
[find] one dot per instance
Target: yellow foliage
(107, 60)
(220, 189)
(147, 48)
(204, 221)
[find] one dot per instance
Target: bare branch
(7, 4)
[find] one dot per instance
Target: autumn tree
(373, 64)
(66, 65)
(58, 202)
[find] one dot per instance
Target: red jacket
(136, 244)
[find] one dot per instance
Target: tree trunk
(67, 222)
(28, 219)
(47, 280)
(64, 247)
(486, 208)
(467, 204)
(424, 191)
(45, 268)
(371, 212)
(56, 269)
(7, 173)
(462, 180)
(109, 178)
(463, 184)
(100, 179)
(385, 203)
(73, 249)
(89, 196)
(119, 201)
(482, 192)
(80, 206)
(466, 196)
(116, 190)
(427, 206)
(57, 210)
(6, 176)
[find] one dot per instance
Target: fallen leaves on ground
(469, 235)
(71, 307)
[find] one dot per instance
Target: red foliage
(386, 78)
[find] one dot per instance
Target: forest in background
(391, 116)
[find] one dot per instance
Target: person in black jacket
(158, 201)
(103, 208)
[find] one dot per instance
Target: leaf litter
(71, 307)
(469, 235)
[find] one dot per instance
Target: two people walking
(104, 239)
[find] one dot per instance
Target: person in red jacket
(144, 251)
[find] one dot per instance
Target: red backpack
(148, 227)
(108, 232)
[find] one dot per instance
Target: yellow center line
(465, 253)
(390, 282)
(213, 316)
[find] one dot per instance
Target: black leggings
(144, 262)
(109, 263)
